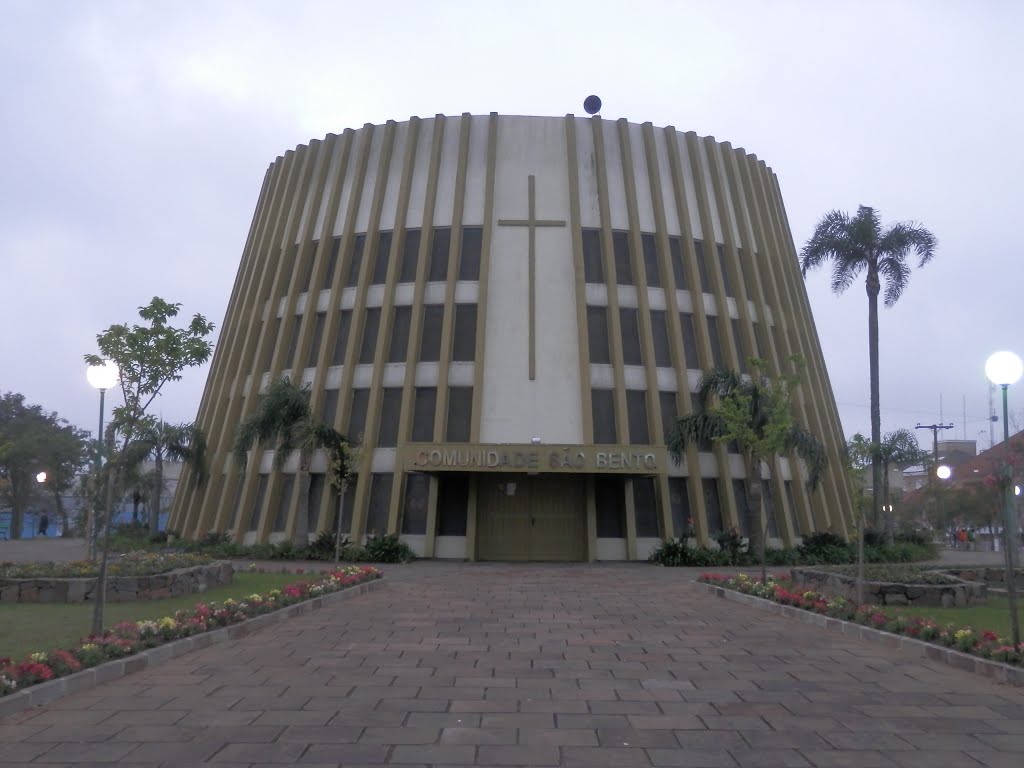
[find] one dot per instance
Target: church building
(508, 314)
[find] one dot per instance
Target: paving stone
(462, 664)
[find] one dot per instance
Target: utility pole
(935, 463)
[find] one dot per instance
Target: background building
(509, 312)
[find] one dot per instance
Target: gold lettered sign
(588, 459)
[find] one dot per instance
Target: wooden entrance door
(522, 517)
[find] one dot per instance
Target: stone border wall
(956, 595)
(120, 589)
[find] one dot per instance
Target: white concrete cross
(532, 222)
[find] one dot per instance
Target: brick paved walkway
(481, 665)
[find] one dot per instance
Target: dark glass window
(357, 415)
(390, 408)
(293, 345)
(329, 412)
(689, 340)
(716, 342)
(593, 264)
(645, 507)
(283, 502)
(768, 489)
(702, 267)
(424, 405)
(430, 342)
(257, 504)
(307, 273)
(341, 340)
(414, 512)
(452, 503)
(610, 498)
(439, 254)
(762, 341)
(318, 338)
(787, 486)
(651, 260)
(356, 261)
(636, 407)
(712, 505)
(380, 264)
(746, 271)
(460, 413)
(469, 261)
(317, 485)
(675, 251)
(669, 413)
(603, 408)
(380, 501)
(722, 262)
(332, 262)
(597, 334)
(631, 351)
(623, 265)
(464, 346)
(370, 327)
(738, 341)
(679, 500)
(345, 507)
(400, 335)
(739, 490)
(659, 333)
(410, 256)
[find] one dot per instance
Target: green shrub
(672, 553)
(322, 548)
(388, 549)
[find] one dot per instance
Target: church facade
(507, 314)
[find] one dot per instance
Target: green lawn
(994, 615)
(29, 627)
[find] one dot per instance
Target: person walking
(44, 524)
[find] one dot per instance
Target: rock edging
(1003, 673)
(957, 593)
(195, 579)
(44, 693)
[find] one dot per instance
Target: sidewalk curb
(44, 693)
(919, 649)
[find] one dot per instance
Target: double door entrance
(531, 517)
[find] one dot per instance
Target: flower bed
(128, 638)
(982, 643)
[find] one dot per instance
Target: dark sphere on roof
(592, 105)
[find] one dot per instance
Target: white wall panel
(668, 193)
(362, 223)
(444, 205)
(330, 185)
(420, 171)
(476, 172)
(514, 409)
(641, 178)
(689, 187)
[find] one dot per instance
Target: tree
(283, 417)
(33, 440)
(148, 357)
(159, 440)
(859, 244)
(898, 449)
(756, 413)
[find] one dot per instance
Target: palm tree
(860, 244)
(284, 417)
(755, 412)
(897, 449)
(175, 442)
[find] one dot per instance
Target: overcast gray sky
(135, 137)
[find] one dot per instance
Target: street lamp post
(1004, 369)
(101, 377)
